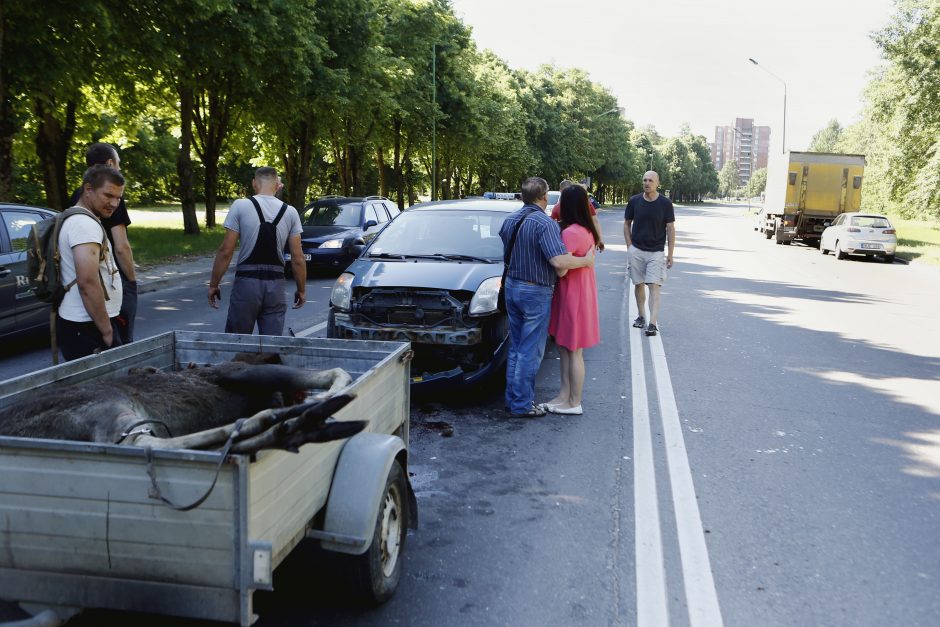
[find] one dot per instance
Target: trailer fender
(358, 490)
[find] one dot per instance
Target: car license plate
(819, 228)
(287, 257)
(871, 246)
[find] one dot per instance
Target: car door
(29, 311)
(371, 224)
(7, 284)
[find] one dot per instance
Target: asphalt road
(773, 458)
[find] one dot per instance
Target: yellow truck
(806, 191)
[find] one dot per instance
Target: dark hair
(575, 208)
(99, 174)
(99, 153)
(533, 188)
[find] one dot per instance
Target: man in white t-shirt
(87, 317)
(265, 226)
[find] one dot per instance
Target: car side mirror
(369, 224)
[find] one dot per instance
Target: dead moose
(195, 408)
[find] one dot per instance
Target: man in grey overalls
(264, 225)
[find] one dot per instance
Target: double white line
(701, 597)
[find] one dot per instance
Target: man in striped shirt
(536, 258)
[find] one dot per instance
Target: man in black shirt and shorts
(648, 222)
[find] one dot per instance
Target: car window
(443, 232)
(370, 214)
(870, 222)
(553, 198)
(839, 220)
(18, 225)
(380, 212)
(392, 209)
(332, 214)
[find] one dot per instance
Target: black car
(432, 278)
(337, 229)
(20, 311)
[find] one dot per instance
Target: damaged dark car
(432, 278)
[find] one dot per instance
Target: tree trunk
(399, 177)
(7, 123)
(212, 115)
(380, 164)
(354, 170)
(297, 158)
(53, 139)
(184, 161)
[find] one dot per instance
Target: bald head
(650, 184)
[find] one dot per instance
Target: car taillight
(853, 229)
(889, 231)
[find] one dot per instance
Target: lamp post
(614, 110)
(783, 140)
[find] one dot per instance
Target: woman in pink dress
(574, 321)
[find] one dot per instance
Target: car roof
(469, 204)
(15, 205)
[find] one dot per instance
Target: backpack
(43, 258)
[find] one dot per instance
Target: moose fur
(195, 408)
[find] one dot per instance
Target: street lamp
(783, 142)
(614, 110)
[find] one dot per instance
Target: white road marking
(700, 593)
(310, 330)
(651, 605)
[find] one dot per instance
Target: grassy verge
(918, 241)
(156, 233)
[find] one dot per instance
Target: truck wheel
(889, 258)
(768, 233)
(838, 251)
(375, 573)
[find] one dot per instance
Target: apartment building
(744, 143)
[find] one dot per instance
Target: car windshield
(870, 222)
(423, 233)
(332, 214)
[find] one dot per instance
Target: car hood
(323, 233)
(443, 275)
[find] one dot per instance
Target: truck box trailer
(806, 191)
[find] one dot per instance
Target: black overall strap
(280, 214)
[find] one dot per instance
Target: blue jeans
(529, 307)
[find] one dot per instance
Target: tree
(827, 138)
(728, 178)
(757, 183)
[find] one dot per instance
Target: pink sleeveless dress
(575, 322)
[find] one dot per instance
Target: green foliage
(728, 178)
(757, 184)
(827, 138)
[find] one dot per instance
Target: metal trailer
(806, 191)
(81, 525)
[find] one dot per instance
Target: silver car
(860, 234)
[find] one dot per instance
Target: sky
(670, 62)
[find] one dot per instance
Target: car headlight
(341, 295)
(484, 301)
(332, 243)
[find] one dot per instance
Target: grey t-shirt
(243, 219)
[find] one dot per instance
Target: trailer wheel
(375, 574)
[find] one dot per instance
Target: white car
(553, 198)
(860, 234)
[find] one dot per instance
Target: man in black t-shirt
(116, 227)
(648, 223)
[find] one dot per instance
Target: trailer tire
(375, 574)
